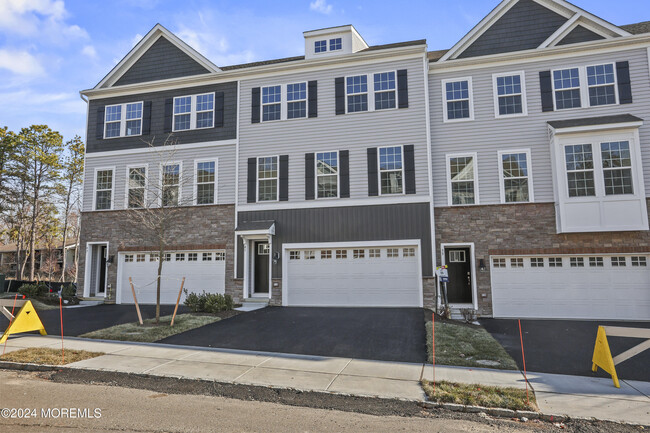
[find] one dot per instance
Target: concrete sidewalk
(573, 396)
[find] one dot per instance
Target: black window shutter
(99, 128)
(409, 169)
(373, 180)
(344, 173)
(339, 90)
(251, 196)
(546, 88)
(218, 109)
(146, 118)
(169, 109)
(309, 176)
(255, 105)
(284, 178)
(402, 89)
(312, 95)
(624, 83)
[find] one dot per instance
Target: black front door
(261, 267)
(101, 283)
(459, 288)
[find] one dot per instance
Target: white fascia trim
(256, 233)
(170, 148)
(427, 110)
(145, 43)
(561, 6)
(594, 128)
(361, 58)
(355, 244)
(615, 45)
(344, 202)
(560, 33)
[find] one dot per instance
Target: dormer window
(320, 46)
(335, 44)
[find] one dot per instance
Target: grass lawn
(40, 355)
(149, 332)
(480, 395)
(40, 306)
(468, 346)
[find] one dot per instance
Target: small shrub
(33, 290)
(208, 302)
(68, 291)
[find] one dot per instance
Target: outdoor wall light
(481, 264)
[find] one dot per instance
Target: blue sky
(51, 49)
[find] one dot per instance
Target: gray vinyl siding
(226, 132)
(486, 134)
(225, 172)
(328, 132)
(524, 26)
(580, 34)
(345, 224)
(161, 61)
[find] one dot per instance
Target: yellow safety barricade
(603, 356)
(25, 320)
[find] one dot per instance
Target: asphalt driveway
(386, 334)
(566, 346)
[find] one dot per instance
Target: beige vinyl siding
(225, 154)
(486, 135)
(328, 132)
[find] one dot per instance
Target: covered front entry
(615, 287)
(373, 274)
(461, 288)
(96, 268)
(257, 241)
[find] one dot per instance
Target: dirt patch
(40, 355)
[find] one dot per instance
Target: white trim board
(170, 148)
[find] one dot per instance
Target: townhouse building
(519, 158)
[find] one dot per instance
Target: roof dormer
(333, 41)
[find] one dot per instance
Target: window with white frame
(327, 174)
(294, 255)
(555, 262)
(596, 262)
(267, 178)
(206, 180)
(341, 254)
(458, 100)
(499, 263)
(517, 262)
(336, 44)
(193, 112)
(589, 86)
(357, 93)
(358, 254)
(392, 253)
(104, 189)
(140, 257)
(537, 262)
(374, 253)
(566, 87)
(271, 103)
(320, 46)
(207, 257)
(171, 178)
(391, 170)
(220, 256)
(408, 252)
(180, 257)
(136, 184)
(618, 261)
(123, 120)
(510, 94)
(154, 257)
(515, 179)
(577, 262)
(128, 258)
(639, 261)
(601, 81)
(462, 179)
(296, 100)
(617, 167)
(192, 257)
(384, 90)
(325, 254)
(310, 255)
(580, 170)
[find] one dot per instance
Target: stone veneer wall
(205, 226)
(522, 229)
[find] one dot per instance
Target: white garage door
(377, 276)
(203, 271)
(572, 287)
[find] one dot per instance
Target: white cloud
(137, 38)
(321, 6)
(89, 51)
(45, 19)
(20, 63)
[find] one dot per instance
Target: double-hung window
(271, 103)
(601, 81)
(206, 179)
(267, 178)
(327, 174)
(580, 170)
(171, 179)
(509, 94)
(382, 97)
(384, 90)
(617, 167)
(193, 112)
(457, 99)
(296, 100)
(357, 93)
(123, 120)
(104, 189)
(391, 170)
(589, 86)
(336, 44)
(566, 85)
(320, 46)
(137, 181)
(515, 179)
(461, 178)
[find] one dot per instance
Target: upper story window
(457, 100)
(461, 177)
(123, 120)
(510, 95)
(601, 82)
(206, 179)
(296, 100)
(320, 46)
(336, 44)
(566, 84)
(589, 86)
(383, 96)
(104, 189)
(391, 172)
(271, 103)
(171, 179)
(384, 90)
(327, 174)
(515, 182)
(580, 170)
(617, 167)
(137, 182)
(267, 178)
(193, 112)
(357, 93)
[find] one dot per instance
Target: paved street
(125, 409)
